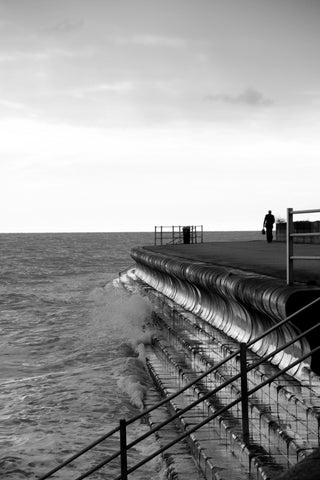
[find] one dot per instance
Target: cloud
(251, 96)
(40, 55)
(11, 105)
(153, 41)
(116, 87)
(314, 92)
(65, 26)
(7, 57)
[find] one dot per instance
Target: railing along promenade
(290, 237)
(174, 234)
(124, 446)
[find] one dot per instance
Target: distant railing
(243, 399)
(175, 234)
(290, 237)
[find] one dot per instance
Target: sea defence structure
(225, 308)
(233, 353)
(223, 283)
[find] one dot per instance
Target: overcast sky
(118, 115)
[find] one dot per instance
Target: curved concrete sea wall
(241, 304)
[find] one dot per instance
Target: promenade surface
(254, 256)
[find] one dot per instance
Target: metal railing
(243, 398)
(175, 234)
(290, 237)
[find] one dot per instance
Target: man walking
(268, 224)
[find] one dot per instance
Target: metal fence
(175, 234)
(291, 234)
(121, 430)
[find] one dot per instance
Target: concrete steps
(178, 461)
(275, 444)
(209, 450)
(248, 461)
(284, 416)
(291, 407)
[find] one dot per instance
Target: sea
(71, 362)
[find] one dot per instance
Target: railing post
(123, 449)
(244, 392)
(201, 233)
(161, 235)
(289, 246)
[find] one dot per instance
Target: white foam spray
(124, 316)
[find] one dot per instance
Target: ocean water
(69, 357)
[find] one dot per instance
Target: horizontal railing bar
(216, 414)
(306, 234)
(175, 226)
(301, 257)
(306, 211)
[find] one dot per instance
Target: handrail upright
(244, 392)
(123, 449)
(289, 246)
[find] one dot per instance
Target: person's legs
(269, 235)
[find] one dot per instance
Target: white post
(289, 246)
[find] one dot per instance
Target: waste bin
(186, 234)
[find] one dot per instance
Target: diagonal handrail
(213, 392)
(186, 387)
(81, 452)
(216, 414)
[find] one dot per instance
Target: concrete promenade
(254, 256)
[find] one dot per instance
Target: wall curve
(241, 304)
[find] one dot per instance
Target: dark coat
(269, 220)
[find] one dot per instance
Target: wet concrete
(255, 256)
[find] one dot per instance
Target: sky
(119, 115)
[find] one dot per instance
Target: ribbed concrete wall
(242, 304)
